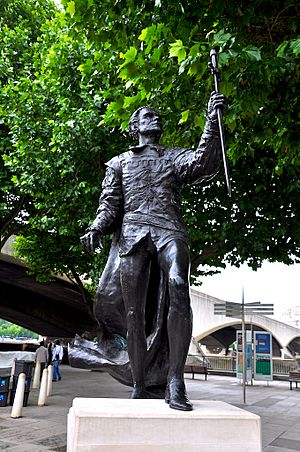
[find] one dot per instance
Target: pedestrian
(41, 356)
(50, 347)
(57, 355)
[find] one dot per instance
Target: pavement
(45, 428)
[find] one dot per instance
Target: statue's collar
(140, 147)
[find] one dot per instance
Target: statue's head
(145, 121)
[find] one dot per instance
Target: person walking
(57, 355)
(41, 356)
(50, 348)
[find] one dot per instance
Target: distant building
(291, 315)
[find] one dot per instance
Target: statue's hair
(134, 122)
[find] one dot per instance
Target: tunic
(143, 187)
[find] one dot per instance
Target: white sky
(272, 283)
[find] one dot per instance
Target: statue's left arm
(202, 164)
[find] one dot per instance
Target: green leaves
(129, 56)
(10, 330)
(295, 46)
(69, 84)
(184, 116)
(178, 50)
(152, 35)
(221, 38)
(287, 46)
(71, 8)
(87, 67)
(252, 53)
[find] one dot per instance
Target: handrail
(228, 363)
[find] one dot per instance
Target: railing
(220, 362)
(228, 363)
(283, 366)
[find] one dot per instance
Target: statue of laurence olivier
(143, 301)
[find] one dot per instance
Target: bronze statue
(143, 301)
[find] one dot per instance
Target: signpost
(239, 311)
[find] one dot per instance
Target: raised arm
(194, 166)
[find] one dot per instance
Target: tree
(47, 150)
(20, 27)
(95, 63)
(11, 330)
(260, 48)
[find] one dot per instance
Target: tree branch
(279, 14)
(84, 293)
(12, 214)
(208, 252)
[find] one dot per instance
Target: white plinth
(122, 425)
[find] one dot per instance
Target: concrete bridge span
(50, 309)
(57, 309)
(207, 325)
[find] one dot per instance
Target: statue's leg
(174, 260)
(135, 272)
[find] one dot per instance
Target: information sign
(239, 367)
(263, 366)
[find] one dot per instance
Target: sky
(272, 283)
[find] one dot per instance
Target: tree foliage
(20, 27)
(66, 109)
(13, 331)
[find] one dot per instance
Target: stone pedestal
(122, 425)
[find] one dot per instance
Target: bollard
(37, 375)
(43, 388)
(12, 371)
(50, 376)
(19, 397)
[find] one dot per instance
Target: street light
(239, 311)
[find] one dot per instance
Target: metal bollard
(36, 377)
(19, 397)
(50, 376)
(43, 389)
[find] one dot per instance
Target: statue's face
(149, 122)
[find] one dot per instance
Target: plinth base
(122, 425)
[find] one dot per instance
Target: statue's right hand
(91, 240)
(216, 102)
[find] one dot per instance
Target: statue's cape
(110, 352)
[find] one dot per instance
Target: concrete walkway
(44, 428)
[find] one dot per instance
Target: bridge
(217, 331)
(57, 309)
(54, 309)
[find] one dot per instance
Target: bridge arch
(57, 308)
(294, 345)
(225, 335)
(205, 323)
(235, 323)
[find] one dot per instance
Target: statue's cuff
(93, 228)
(211, 126)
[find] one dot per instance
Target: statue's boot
(176, 396)
(140, 392)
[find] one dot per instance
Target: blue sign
(263, 365)
(263, 343)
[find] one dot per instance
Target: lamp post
(239, 311)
